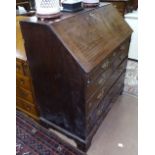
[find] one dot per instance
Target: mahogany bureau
(25, 99)
(77, 65)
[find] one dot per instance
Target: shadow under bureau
(77, 65)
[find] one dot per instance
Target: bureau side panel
(57, 78)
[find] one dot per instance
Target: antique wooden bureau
(25, 99)
(77, 65)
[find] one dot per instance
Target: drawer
(121, 69)
(111, 62)
(98, 83)
(24, 82)
(93, 102)
(26, 106)
(98, 77)
(105, 103)
(19, 67)
(94, 117)
(116, 59)
(25, 94)
(107, 63)
(120, 54)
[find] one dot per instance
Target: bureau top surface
(90, 35)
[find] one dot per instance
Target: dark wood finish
(77, 63)
(25, 99)
(120, 5)
(132, 5)
(24, 3)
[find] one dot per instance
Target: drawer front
(25, 94)
(106, 64)
(19, 68)
(120, 54)
(24, 82)
(116, 59)
(98, 83)
(96, 79)
(105, 104)
(121, 69)
(26, 106)
(95, 100)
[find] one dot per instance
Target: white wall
(132, 20)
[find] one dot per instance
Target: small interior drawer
(98, 83)
(98, 96)
(105, 103)
(115, 59)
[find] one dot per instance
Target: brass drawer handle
(105, 64)
(100, 81)
(114, 54)
(100, 95)
(99, 112)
